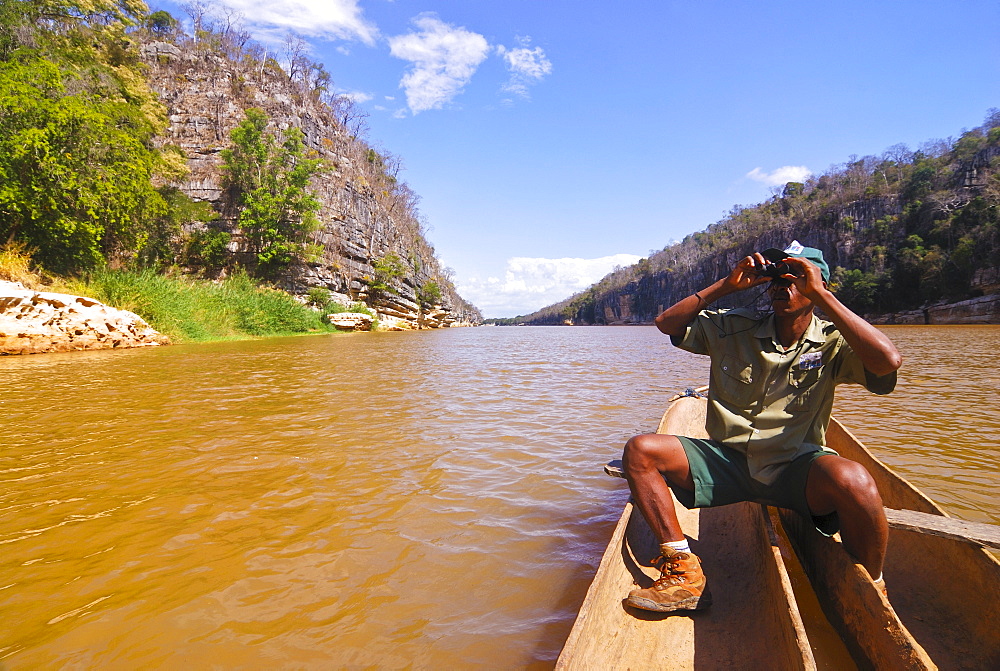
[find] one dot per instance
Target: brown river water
(391, 500)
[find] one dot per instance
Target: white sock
(675, 546)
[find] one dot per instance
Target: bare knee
(656, 453)
(640, 452)
(843, 485)
(859, 486)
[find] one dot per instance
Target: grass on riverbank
(197, 310)
(186, 310)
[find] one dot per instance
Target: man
(769, 402)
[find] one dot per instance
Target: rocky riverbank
(33, 322)
(981, 310)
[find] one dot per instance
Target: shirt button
(756, 430)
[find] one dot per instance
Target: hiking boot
(681, 586)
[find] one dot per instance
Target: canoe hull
(753, 619)
(944, 594)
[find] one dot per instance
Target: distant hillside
(901, 231)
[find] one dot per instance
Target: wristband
(698, 296)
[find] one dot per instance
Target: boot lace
(670, 571)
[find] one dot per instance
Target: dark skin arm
(674, 320)
(876, 351)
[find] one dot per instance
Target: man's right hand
(746, 273)
(674, 320)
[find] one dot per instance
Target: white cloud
(357, 97)
(444, 58)
(527, 66)
(783, 175)
(532, 283)
(327, 19)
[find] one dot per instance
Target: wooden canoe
(753, 623)
(943, 609)
(944, 594)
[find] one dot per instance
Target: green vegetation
(429, 294)
(78, 168)
(76, 126)
(385, 270)
(193, 310)
(317, 297)
(185, 309)
(269, 187)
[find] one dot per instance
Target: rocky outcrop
(351, 321)
(981, 310)
(365, 215)
(32, 322)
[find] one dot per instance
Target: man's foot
(681, 586)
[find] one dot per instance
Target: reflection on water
(427, 499)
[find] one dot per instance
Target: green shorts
(721, 477)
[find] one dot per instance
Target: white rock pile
(32, 322)
(351, 321)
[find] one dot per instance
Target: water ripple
(403, 499)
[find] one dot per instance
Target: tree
(76, 128)
(429, 294)
(792, 189)
(384, 271)
(162, 24)
(268, 184)
(856, 288)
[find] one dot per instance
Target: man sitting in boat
(769, 403)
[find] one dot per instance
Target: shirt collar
(814, 332)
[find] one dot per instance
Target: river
(386, 500)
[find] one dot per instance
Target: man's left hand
(807, 278)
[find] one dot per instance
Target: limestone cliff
(366, 215)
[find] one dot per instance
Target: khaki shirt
(770, 403)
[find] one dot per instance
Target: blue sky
(551, 140)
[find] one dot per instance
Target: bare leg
(646, 461)
(844, 486)
(682, 586)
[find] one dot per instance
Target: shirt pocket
(736, 380)
(803, 382)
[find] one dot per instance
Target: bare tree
(200, 17)
(900, 156)
(234, 33)
(297, 57)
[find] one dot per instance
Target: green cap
(810, 254)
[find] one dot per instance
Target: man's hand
(746, 274)
(806, 277)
